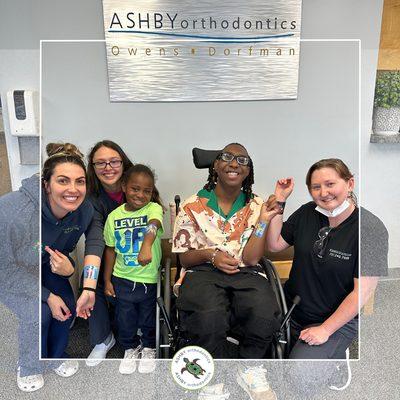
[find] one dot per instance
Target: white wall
(301, 138)
(380, 166)
(19, 69)
(283, 137)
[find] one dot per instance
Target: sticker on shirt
(129, 235)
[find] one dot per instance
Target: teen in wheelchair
(220, 238)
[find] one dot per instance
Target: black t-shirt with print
(322, 283)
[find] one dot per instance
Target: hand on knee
(315, 335)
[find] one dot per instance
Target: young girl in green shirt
(133, 254)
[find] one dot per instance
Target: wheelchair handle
(177, 201)
(161, 304)
(296, 301)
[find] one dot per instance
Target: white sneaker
(29, 383)
(99, 353)
(67, 368)
(254, 382)
(213, 392)
(147, 363)
(128, 364)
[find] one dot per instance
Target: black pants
(334, 348)
(135, 308)
(208, 301)
(101, 318)
(55, 334)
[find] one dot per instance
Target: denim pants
(24, 304)
(334, 348)
(135, 308)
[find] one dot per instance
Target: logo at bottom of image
(192, 367)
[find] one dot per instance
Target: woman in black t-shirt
(324, 274)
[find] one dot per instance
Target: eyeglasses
(103, 164)
(320, 244)
(229, 157)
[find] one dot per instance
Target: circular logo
(192, 367)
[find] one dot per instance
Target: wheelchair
(169, 336)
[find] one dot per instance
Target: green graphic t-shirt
(124, 230)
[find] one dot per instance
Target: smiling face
(138, 190)
(66, 189)
(328, 189)
(109, 176)
(232, 174)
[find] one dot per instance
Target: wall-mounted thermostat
(23, 111)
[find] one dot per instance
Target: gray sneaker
(254, 382)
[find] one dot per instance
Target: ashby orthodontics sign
(171, 50)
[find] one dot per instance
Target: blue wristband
(91, 272)
(260, 229)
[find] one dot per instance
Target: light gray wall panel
(284, 137)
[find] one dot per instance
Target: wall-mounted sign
(169, 50)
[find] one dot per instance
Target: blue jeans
(334, 348)
(24, 305)
(135, 308)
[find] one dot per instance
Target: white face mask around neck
(334, 213)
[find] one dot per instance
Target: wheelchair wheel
(163, 337)
(165, 351)
(280, 348)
